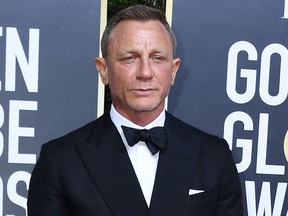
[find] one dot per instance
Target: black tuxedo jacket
(88, 173)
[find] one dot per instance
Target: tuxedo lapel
(175, 169)
(108, 164)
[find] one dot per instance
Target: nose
(145, 70)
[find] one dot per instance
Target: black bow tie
(155, 138)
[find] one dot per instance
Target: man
(96, 170)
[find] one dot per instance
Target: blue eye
(158, 59)
(128, 59)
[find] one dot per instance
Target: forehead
(131, 31)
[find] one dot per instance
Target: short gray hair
(135, 13)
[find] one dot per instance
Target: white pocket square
(193, 191)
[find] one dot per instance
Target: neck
(141, 118)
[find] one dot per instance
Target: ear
(175, 66)
(102, 69)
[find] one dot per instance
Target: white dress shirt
(143, 161)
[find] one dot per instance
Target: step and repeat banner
(233, 82)
(48, 83)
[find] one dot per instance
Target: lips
(143, 92)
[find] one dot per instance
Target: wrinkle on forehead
(140, 37)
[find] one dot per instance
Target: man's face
(139, 67)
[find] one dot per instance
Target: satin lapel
(175, 171)
(108, 164)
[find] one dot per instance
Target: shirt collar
(119, 120)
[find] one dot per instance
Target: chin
(147, 107)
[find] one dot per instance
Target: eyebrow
(163, 51)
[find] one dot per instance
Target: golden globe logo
(286, 145)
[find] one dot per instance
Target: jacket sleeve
(230, 197)
(45, 197)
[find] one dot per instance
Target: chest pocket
(203, 203)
